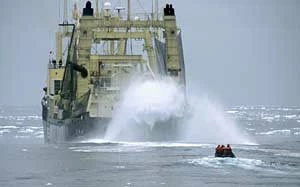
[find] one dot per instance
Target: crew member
(228, 147)
(219, 151)
(227, 151)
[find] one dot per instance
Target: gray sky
(240, 51)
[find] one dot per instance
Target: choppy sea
(273, 159)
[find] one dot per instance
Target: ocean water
(271, 158)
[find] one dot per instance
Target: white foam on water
(108, 149)
(121, 146)
(249, 143)
(291, 117)
(4, 131)
(244, 163)
(148, 144)
(268, 118)
(9, 127)
(288, 154)
(250, 129)
(119, 167)
(21, 137)
(232, 111)
(21, 118)
(97, 141)
(30, 131)
(167, 144)
(35, 128)
(274, 132)
(26, 130)
(277, 152)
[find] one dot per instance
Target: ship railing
(55, 66)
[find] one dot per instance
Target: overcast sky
(240, 51)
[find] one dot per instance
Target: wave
(4, 131)
(232, 112)
(21, 137)
(22, 131)
(249, 164)
(21, 118)
(106, 149)
(148, 144)
(26, 131)
(100, 145)
(242, 163)
(276, 152)
(289, 154)
(276, 132)
(291, 116)
(9, 127)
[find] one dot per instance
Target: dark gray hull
(59, 131)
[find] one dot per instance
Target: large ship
(97, 54)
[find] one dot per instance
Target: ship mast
(65, 21)
(97, 8)
(129, 11)
(156, 10)
(65, 11)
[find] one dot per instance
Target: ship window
(56, 86)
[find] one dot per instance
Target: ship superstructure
(105, 50)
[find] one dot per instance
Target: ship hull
(60, 131)
(76, 129)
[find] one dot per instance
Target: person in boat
(219, 151)
(228, 151)
(222, 151)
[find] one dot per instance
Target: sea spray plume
(146, 103)
(207, 122)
